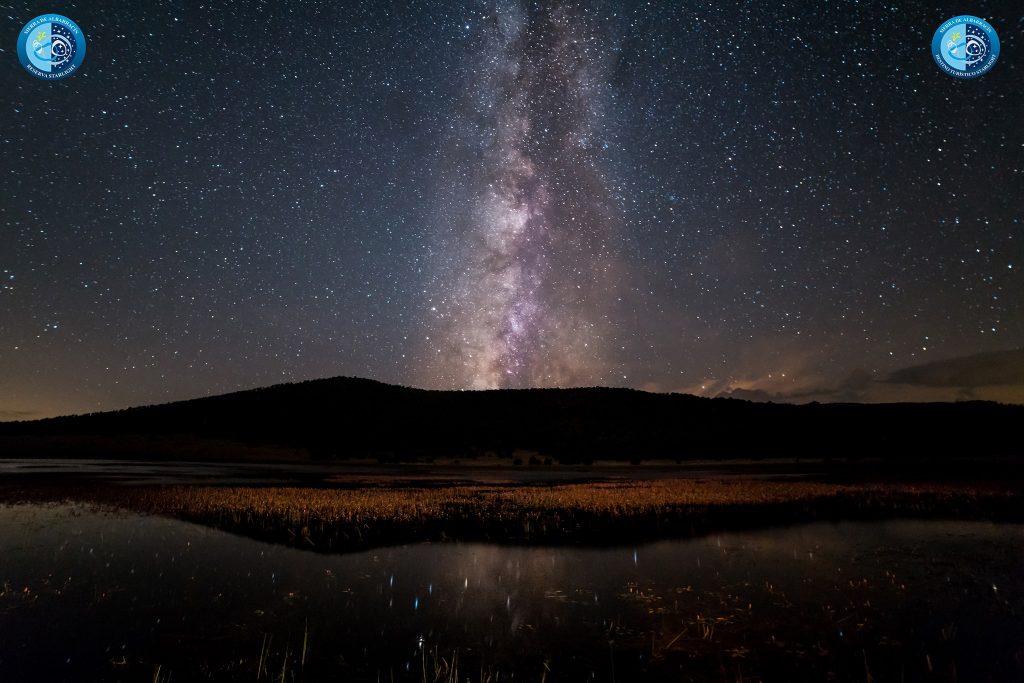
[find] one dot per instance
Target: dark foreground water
(93, 596)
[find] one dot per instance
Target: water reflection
(98, 596)
(144, 472)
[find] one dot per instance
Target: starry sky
(779, 200)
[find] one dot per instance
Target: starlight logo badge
(965, 46)
(51, 47)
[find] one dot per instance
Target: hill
(357, 418)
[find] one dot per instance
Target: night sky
(782, 200)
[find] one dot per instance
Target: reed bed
(332, 519)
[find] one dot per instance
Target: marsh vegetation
(332, 519)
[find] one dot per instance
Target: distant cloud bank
(993, 376)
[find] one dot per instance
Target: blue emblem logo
(965, 46)
(51, 47)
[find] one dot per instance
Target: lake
(89, 595)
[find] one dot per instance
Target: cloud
(998, 368)
(995, 376)
(803, 389)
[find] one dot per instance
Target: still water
(87, 595)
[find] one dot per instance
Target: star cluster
(782, 199)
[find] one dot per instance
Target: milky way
(704, 196)
(536, 267)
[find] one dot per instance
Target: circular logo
(51, 47)
(965, 46)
